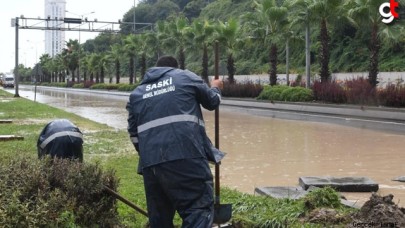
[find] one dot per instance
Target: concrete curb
(365, 112)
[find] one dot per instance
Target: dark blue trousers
(185, 186)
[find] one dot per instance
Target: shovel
(124, 200)
(222, 212)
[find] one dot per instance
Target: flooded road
(264, 151)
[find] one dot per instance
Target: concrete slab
(10, 137)
(400, 179)
(5, 121)
(282, 192)
(342, 184)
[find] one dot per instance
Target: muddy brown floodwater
(264, 151)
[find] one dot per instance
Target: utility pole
(16, 74)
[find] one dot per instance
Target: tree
(203, 35)
(130, 42)
(143, 14)
(102, 42)
(85, 66)
(44, 61)
(228, 35)
(162, 10)
(365, 14)
(60, 68)
(96, 65)
(143, 49)
(193, 8)
(324, 11)
(156, 39)
(72, 56)
(176, 38)
(273, 17)
(115, 56)
(94, 61)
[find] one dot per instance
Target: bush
(78, 85)
(58, 84)
(70, 84)
(246, 89)
(392, 96)
(360, 91)
(45, 84)
(329, 92)
(285, 93)
(127, 87)
(297, 94)
(88, 84)
(272, 93)
(105, 86)
(56, 193)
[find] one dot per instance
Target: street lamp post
(81, 17)
(35, 44)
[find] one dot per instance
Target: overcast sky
(31, 42)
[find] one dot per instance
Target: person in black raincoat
(61, 138)
(166, 126)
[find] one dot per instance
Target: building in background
(54, 39)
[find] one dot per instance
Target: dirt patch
(379, 211)
(326, 216)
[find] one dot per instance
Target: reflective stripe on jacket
(165, 121)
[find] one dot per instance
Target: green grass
(112, 149)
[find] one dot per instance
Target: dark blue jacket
(61, 138)
(165, 121)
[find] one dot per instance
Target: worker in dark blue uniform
(166, 126)
(61, 138)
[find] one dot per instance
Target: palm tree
(102, 66)
(143, 49)
(115, 55)
(202, 35)
(92, 66)
(72, 56)
(85, 65)
(176, 38)
(44, 62)
(60, 68)
(228, 35)
(53, 68)
(273, 16)
(365, 14)
(155, 39)
(130, 46)
(324, 11)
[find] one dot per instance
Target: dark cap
(167, 61)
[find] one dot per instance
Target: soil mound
(379, 211)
